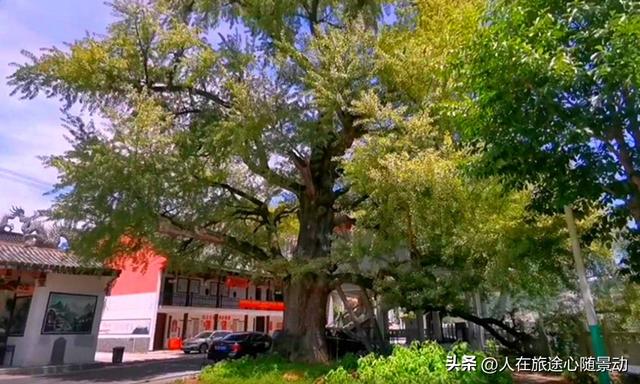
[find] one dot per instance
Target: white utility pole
(597, 339)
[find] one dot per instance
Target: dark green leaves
(553, 93)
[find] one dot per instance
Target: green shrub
(339, 376)
(419, 363)
(493, 348)
(270, 369)
(349, 362)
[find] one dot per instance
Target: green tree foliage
(432, 237)
(553, 100)
(476, 231)
(617, 297)
(419, 51)
(430, 233)
(235, 145)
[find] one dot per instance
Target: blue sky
(30, 128)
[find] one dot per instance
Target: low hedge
(419, 363)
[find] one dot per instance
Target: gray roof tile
(14, 252)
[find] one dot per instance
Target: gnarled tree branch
(171, 228)
(174, 88)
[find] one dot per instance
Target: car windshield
(220, 334)
(202, 335)
(237, 337)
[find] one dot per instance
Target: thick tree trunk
(306, 293)
(305, 319)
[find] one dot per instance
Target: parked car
(239, 344)
(277, 334)
(200, 343)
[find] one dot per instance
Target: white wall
(123, 313)
(132, 303)
(136, 308)
(34, 348)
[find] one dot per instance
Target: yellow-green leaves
(418, 61)
(147, 130)
(339, 65)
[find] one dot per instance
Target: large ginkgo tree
(212, 140)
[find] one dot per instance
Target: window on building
(182, 285)
(195, 286)
(20, 314)
(258, 293)
(195, 326)
(213, 288)
(278, 296)
(224, 290)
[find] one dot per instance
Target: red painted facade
(140, 273)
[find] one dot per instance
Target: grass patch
(270, 369)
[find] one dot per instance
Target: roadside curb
(52, 369)
(68, 368)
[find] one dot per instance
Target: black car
(276, 335)
(239, 344)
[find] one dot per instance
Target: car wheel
(204, 348)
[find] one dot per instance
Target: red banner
(262, 305)
(236, 282)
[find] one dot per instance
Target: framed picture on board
(69, 313)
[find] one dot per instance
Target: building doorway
(158, 336)
(260, 324)
(195, 327)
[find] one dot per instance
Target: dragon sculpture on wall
(33, 227)
(5, 225)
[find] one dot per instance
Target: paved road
(141, 372)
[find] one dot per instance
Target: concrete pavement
(105, 357)
(139, 372)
